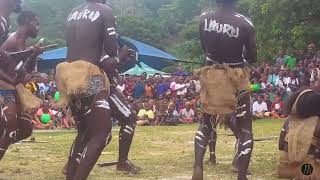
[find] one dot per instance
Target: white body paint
(211, 25)
(103, 104)
(84, 15)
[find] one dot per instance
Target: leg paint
(97, 132)
(127, 120)
(245, 142)
(200, 144)
(213, 142)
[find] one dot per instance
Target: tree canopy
(172, 25)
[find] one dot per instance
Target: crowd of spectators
(290, 72)
(163, 100)
(44, 87)
(174, 99)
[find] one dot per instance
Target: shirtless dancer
(92, 40)
(224, 34)
(15, 125)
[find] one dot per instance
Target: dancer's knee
(246, 142)
(25, 126)
(202, 136)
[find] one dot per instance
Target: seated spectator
(280, 81)
(161, 113)
(259, 108)
(197, 107)
(277, 108)
(265, 84)
(172, 117)
(146, 116)
(268, 101)
(187, 114)
(293, 84)
(37, 124)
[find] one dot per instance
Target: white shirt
(279, 83)
(181, 91)
(186, 113)
(292, 81)
(259, 107)
(121, 88)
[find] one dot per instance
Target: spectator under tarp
(151, 56)
(143, 68)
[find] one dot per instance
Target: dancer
(16, 103)
(299, 142)
(82, 82)
(225, 81)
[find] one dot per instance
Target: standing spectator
(312, 53)
(148, 90)
(291, 61)
(139, 89)
(161, 87)
(187, 114)
(181, 87)
(281, 60)
(259, 108)
(129, 86)
(196, 82)
(173, 84)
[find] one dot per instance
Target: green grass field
(162, 152)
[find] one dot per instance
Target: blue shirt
(138, 90)
(161, 89)
(273, 78)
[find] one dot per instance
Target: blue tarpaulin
(151, 56)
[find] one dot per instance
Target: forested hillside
(173, 24)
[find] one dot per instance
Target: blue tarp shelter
(150, 56)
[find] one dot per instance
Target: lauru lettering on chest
(85, 14)
(213, 25)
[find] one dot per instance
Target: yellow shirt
(143, 112)
(31, 87)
